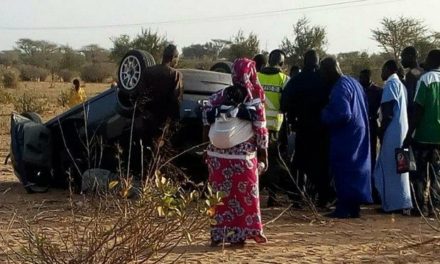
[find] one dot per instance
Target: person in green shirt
(424, 136)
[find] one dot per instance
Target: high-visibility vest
(273, 85)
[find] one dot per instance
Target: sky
(81, 22)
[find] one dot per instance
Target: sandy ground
(293, 238)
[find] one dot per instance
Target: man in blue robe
(350, 156)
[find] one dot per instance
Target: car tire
(132, 70)
(222, 66)
(33, 117)
(125, 104)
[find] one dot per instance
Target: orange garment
(77, 97)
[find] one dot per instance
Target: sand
(293, 238)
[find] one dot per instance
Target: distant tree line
(38, 59)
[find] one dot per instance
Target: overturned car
(95, 133)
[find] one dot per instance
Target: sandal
(214, 243)
(240, 243)
(260, 239)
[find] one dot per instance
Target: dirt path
(375, 238)
(372, 239)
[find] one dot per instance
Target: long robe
(350, 155)
(304, 98)
(394, 188)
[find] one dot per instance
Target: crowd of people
(347, 133)
(314, 134)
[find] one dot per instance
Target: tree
(95, 54)
(396, 34)
(242, 46)
(211, 50)
(40, 53)
(352, 63)
(70, 59)
(30, 47)
(98, 66)
(147, 40)
(305, 37)
(219, 45)
(10, 57)
(199, 51)
(195, 51)
(425, 45)
(152, 42)
(121, 45)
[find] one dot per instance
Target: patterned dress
(234, 171)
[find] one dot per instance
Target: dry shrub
(5, 97)
(30, 101)
(9, 77)
(98, 72)
(63, 98)
(33, 73)
(67, 75)
(114, 229)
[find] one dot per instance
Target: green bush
(98, 72)
(33, 73)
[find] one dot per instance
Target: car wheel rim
(130, 73)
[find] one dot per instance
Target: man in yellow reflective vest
(273, 80)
